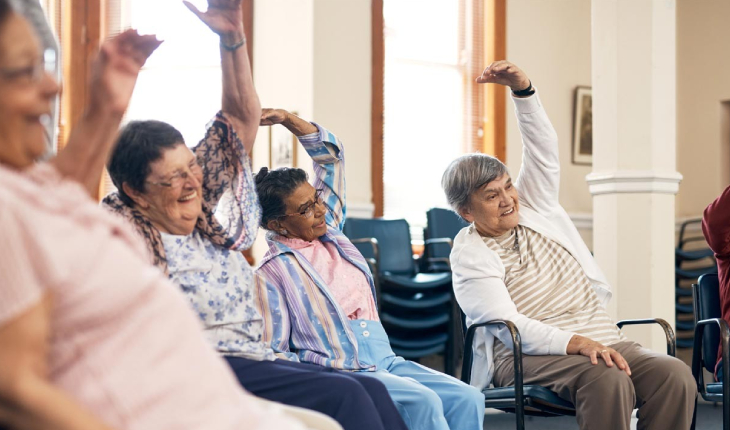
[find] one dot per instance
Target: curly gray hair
(467, 174)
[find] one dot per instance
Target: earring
(283, 232)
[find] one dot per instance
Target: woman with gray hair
(523, 260)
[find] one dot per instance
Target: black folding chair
(710, 332)
(534, 400)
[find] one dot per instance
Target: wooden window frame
(486, 126)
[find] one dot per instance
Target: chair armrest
(697, 354)
(516, 349)
(435, 240)
(668, 331)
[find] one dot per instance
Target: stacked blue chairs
(691, 261)
(418, 310)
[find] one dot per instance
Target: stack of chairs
(692, 259)
(417, 309)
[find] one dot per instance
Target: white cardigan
(478, 272)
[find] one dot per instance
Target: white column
(634, 178)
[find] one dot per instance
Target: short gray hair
(467, 174)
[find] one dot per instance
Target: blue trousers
(426, 399)
(354, 400)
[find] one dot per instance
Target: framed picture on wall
(282, 147)
(583, 126)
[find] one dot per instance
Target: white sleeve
(539, 179)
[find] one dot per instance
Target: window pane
(181, 82)
(423, 105)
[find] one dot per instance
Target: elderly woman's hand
(580, 345)
(505, 73)
(293, 123)
(273, 116)
(223, 17)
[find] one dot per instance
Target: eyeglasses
(177, 180)
(34, 72)
(308, 210)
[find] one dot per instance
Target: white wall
(703, 83)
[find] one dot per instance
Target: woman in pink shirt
(91, 335)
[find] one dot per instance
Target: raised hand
(580, 345)
(223, 17)
(504, 73)
(273, 116)
(115, 70)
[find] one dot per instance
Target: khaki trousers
(604, 397)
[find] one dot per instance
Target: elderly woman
(316, 291)
(198, 209)
(523, 260)
(93, 337)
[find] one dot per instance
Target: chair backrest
(707, 305)
(442, 223)
(394, 242)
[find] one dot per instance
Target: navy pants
(356, 401)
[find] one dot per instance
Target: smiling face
(172, 199)
(296, 221)
(26, 93)
(494, 207)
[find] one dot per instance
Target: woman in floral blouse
(197, 209)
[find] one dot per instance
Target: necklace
(514, 246)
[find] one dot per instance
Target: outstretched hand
(504, 73)
(273, 116)
(223, 17)
(115, 70)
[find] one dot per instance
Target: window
(423, 104)
(432, 111)
(181, 83)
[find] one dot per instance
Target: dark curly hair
(140, 144)
(273, 187)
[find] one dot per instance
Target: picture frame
(283, 146)
(582, 152)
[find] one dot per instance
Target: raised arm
(113, 76)
(538, 181)
(716, 224)
(328, 160)
(240, 102)
(230, 206)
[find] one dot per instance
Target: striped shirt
(547, 284)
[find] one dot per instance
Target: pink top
(124, 342)
(348, 285)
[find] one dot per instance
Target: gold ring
(604, 351)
